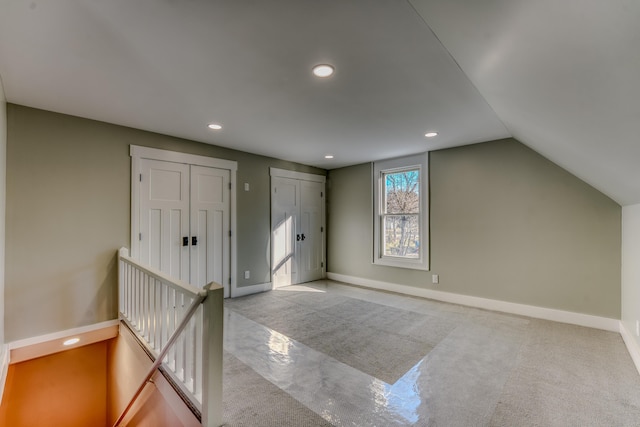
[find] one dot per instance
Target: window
(401, 212)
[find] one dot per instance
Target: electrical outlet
(246, 186)
(435, 279)
(247, 274)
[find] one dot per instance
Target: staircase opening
(121, 380)
(90, 386)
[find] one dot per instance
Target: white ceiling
(562, 77)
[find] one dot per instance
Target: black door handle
(194, 241)
(185, 241)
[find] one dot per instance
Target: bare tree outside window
(402, 213)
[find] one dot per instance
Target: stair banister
(181, 326)
(152, 370)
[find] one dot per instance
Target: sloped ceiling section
(563, 76)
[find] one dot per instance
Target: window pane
(401, 236)
(402, 192)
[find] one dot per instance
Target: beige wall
(68, 208)
(506, 224)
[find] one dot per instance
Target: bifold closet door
(285, 207)
(185, 221)
(297, 227)
(209, 225)
(164, 216)
(311, 244)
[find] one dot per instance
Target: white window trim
(420, 161)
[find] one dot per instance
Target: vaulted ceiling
(563, 77)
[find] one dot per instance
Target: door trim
(138, 152)
(302, 176)
(284, 173)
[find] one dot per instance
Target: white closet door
(182, 214)
(164, 216)
(297, 221)
(311, 242)
(210, 226)
(285, 205)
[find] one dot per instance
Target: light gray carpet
(384, 342)
(570, 376)
(475, 367)
(252, 401)
(361, 334)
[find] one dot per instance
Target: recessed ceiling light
(71, 341)
(431, 134)
(215, 126)
(323, 70)
(329, 156)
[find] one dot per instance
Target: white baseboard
(4, 367)
(251, 289)
(580, 319)
(632, 345)
(43, 345)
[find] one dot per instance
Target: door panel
(177, 230)
(154, 236)
(284, 223)
(311, 247)
(210, 226)
(166, 185)
(164, 219)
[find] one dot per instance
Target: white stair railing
(155, 307)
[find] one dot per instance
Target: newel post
(122, 252)
(212, 316)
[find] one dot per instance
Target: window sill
(417, 264)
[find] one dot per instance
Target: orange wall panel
(63, 389)
(158, 405)
(89, 386)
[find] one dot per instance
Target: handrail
(169, 281)
(174, 337)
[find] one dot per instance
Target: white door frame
(138, 152)
(303, 176)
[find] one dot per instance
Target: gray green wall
(506, 224)
(3, 163)
(68, 208)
